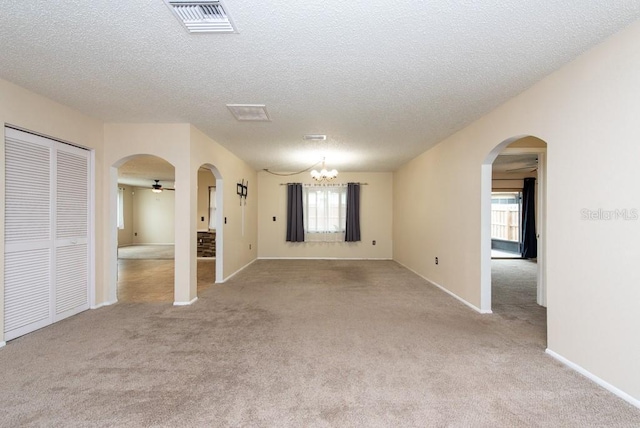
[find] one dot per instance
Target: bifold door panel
(46, 232)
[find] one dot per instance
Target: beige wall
(125, 235)
(587, 113)
(187, 149)
(239, 242)
(153, 216)
(30, 111)
(205, 180)
(375, 218)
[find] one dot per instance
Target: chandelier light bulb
(324, 174)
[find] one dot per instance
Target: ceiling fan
(157, 187)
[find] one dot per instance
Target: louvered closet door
(71, 231)
(28, 241)
(46, 232)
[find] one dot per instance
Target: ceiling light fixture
(324, 175)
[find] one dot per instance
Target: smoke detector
(203, 16)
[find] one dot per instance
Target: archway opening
(513, 224)
(145, 223)
(210, 230)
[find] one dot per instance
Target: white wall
(239, 236)
(153, 216)
(587, 112)
(375, 219)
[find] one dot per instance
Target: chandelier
(324, 175)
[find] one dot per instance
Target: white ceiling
(384, 80)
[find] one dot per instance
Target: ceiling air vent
(204, 16)
(250, 112)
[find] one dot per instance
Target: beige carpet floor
(299, 344)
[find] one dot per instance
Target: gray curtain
(353, 213)
(529, 240)
(295, 228)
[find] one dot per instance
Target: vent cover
(250, 112)
(204, 16)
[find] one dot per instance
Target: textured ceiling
(384, 80)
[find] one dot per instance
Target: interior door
(28, 244)
(46, 231)
(71, 231)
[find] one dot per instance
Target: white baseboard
(2, 344)
(237, 272)
(475, 308)
(185, 303)
(321, 258)
(100, 305)
(606, 385)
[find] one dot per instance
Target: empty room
(230, 213)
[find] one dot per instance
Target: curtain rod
(325, 184)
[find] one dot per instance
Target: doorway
(506, 224)
(505, 170)
(146, 224)
(210, 230)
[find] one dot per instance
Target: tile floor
(152, 280)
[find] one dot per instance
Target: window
(120, 204)
(505, 216)
(212, 208)
(325, 210)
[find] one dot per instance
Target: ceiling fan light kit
(156, 187)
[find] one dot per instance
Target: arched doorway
(211, 217)
(516, 146)
(143, 218)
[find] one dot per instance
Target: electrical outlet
(225, 220)
(436, 260)
(201, 218)
(135, 234)
(274, 218)
(373, 242)
(249, 246)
